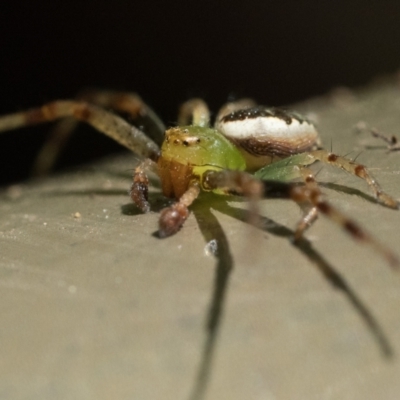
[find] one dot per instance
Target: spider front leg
(130, 104)
(242, 183)
(127, 103)
(172, 218)
(102, 120)
(140, 185)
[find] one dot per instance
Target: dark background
(278, 52)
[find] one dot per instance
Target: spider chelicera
(252, 150)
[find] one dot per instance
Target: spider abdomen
(266, 134)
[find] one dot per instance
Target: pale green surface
(95, 307)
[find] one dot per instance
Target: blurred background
(277, 52)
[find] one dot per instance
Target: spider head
(188, 151)
(200, 146)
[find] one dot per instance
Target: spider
(252, 151)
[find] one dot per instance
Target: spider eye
(185, 143)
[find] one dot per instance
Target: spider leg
(392, 142)
(300, 194)
(237, 183)
(308, 219)
(105, 122)
(245, 184)
(52, 147)
(311, 211)
(194, 112)
(129, 103)
(289, 168)
(173, 217)
(356, 169)
(140, 185)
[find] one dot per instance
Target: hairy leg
(105, 122)
(245, 184)
(358, 170)
(128, 103)
(289, 168)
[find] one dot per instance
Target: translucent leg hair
(245, 184)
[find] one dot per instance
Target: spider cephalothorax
(253, 151)
(188, 151)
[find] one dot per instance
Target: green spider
(253, 151)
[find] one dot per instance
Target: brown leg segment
(173, 217)
(314, 196)
(392, 142)
(140, 185)
(358, 170)
(245, 184)
(311, 214)
(104, 121)
(52, 147)
(129, 103)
